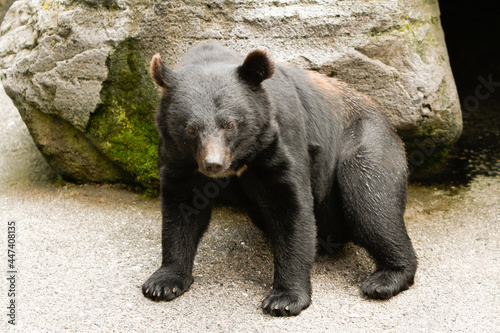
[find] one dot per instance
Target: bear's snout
(214, 159)
(213, 163)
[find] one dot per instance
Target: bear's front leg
(287, 208)
(293, 235)
(182, 227)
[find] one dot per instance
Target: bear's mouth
(229, 172)
(220, 174)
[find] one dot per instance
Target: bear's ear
(162, 75)
(256, 68)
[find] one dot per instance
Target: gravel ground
(82, 253)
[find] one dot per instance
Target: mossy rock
(426, 158)
(123, 126)
(77, 69)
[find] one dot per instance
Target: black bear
(309, 158)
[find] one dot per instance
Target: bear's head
(215, 112)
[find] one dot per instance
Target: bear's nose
(213, 156)
(213, 167)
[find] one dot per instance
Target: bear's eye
(192, 130)
(229, 126)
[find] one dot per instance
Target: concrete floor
(82, 253)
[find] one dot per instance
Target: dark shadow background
(472, 32)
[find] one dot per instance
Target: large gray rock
(77, 70)
(4, 6)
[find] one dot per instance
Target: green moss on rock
(123, 125)
(427, 156)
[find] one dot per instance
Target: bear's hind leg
(373, 190)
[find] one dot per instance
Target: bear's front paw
(385, 284)
(165, 285)
(285, 303)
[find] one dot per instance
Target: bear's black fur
(309, 158)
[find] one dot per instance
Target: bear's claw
(163, 285)
(385, 284)
(283, 303)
